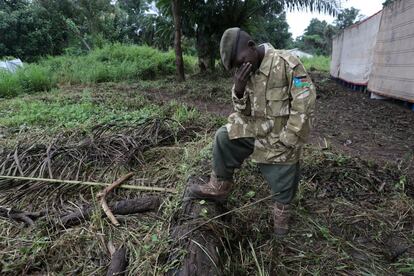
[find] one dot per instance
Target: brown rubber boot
(215, 189)
(281, 217)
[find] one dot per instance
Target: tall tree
(272, 28)
(27, 31)
(317, 37)
(179, 62)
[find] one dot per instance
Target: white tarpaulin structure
(357, 50)
(393, 70)
(336, 55)
(299, 53)
(379, 52)
(11, 65)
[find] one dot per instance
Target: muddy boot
(281, 216)
(215, 189)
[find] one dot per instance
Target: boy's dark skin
(247, 59)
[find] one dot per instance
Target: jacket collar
(266, 64)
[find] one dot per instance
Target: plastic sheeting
(336, 55)
(393, 69)
(358, 50)
(11, 65)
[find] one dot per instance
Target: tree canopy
(34, 28)
(317, 38)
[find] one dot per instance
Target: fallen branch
(123, 207)
(22, 216)
(119, 262)
(100, 184)
(102, 196)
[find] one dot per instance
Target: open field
(354, 213)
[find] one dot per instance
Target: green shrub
(34, 78)
(31, 78)
(9, 85)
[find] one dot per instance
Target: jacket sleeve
(241, 105)
(302, 95)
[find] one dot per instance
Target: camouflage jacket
(276, 109)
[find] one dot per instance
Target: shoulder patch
(292, 60)
(301, 81)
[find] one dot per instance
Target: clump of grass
(9, 85)
(34, 78)
(31, 78)
(319, 63)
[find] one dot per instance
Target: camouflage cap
(228, 46)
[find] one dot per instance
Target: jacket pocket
(277, 101)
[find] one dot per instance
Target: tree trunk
(179, 62)
(200, 238)
(205, 53)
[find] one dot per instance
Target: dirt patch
(373, 129)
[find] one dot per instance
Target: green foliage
(26, 31)
(184, 114)
(29, 79)
(56, 111)
(112, 63)
(317, 38)
(115, 62)
(274, 29)
(34, 78)
(9, 84)
(263, 19)
(347, 17)
(320, 63)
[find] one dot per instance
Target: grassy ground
(319, 63)
(351, 216)
(115, 62)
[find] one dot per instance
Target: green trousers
(230, 154)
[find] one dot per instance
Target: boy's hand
(240, 78)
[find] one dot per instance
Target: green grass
(57, 110)
(115, 63)
(29, 79)
(112, 63)
(9, 84)
(320, 63)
